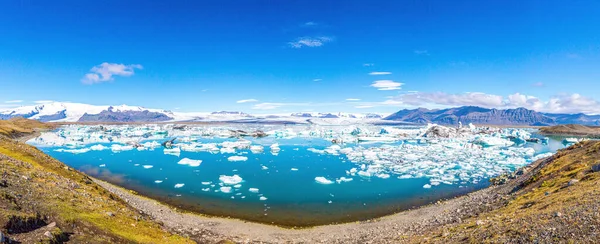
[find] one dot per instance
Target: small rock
(51, 225)
(596, 168)
(48, 234)
(573, 182)
(2, 238)
(557, 214)
(111, 214)
(480, 222)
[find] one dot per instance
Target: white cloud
(310, 41)
(14, 101)
(352, 99)
(441, 98)
(386, 85)
(421, 52)
(364, 106)
(317, 80)
(43, 101)
(106, 71)
(538, 84)
(267, 106)
(309, 24)
(247, 101)
(368, 65)
(380, 73)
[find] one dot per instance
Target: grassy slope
(40, 189)
(17, 127)
(546, 208)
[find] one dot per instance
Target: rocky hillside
(571, 130)
(478, 115)
(42, 200)
(554, 201)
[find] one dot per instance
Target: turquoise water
(293, 197)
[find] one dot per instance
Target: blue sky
(284, 56)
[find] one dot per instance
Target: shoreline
(389, 228)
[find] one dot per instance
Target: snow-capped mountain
(79, 112)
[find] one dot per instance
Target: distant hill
(478, 115)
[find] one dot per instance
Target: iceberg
(173, 151)
(256, 149)
(323, 180)
(158, 181)
(225, 189)
(179, 185)
(253, 190)
(230, 180)
(98, 147)
(148, 166)
(237, 158)
(190, 162)
(343, 179)
(263, 198)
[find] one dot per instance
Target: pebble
(111, 214)
(557, 214)
(48, 234)
(573, 182)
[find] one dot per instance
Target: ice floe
(230, 180)
(323, 180)
(148, 166)
(237, 158)
(190, 162)
(179, 185)
(253, 190)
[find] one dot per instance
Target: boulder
(596, 167)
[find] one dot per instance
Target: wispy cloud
(14, 101)
(368, 65)
(309, 24)
(364, 106)
(387, 85)
(538, 84)
(421, 52)
(317, 80)
(380, 73)
(310, 41)
(105, 72)
(247, 101)
(43, 101)
(352, 99)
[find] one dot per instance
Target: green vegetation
(559, 202)
(37, 190)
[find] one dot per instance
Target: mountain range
(478, 115)
(78, 112)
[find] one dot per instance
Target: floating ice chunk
(74, 151)
(148, 166)
(230, 180)
(98, 147)
(151, 144)
(263, 198)
(102, 165)
(158, 181)
(343, 179)
(205, 189)
(364, 174)
(253, 190)
(237, 186)
(119, 148)
(383, 176)
(275, 148)
(323, 180)
(256, 149)
(206, 183)
(227, 150)
(294, 169)
(237, 158)
(264, 167)
(225, 189)
(179, 185)
(540, 156)
(427, 186)
(190, 162)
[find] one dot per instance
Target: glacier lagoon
(295, 175)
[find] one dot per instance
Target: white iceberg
(323, 180)
(237, 158)
(179, 185)
(230, 180)
(190, 162)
